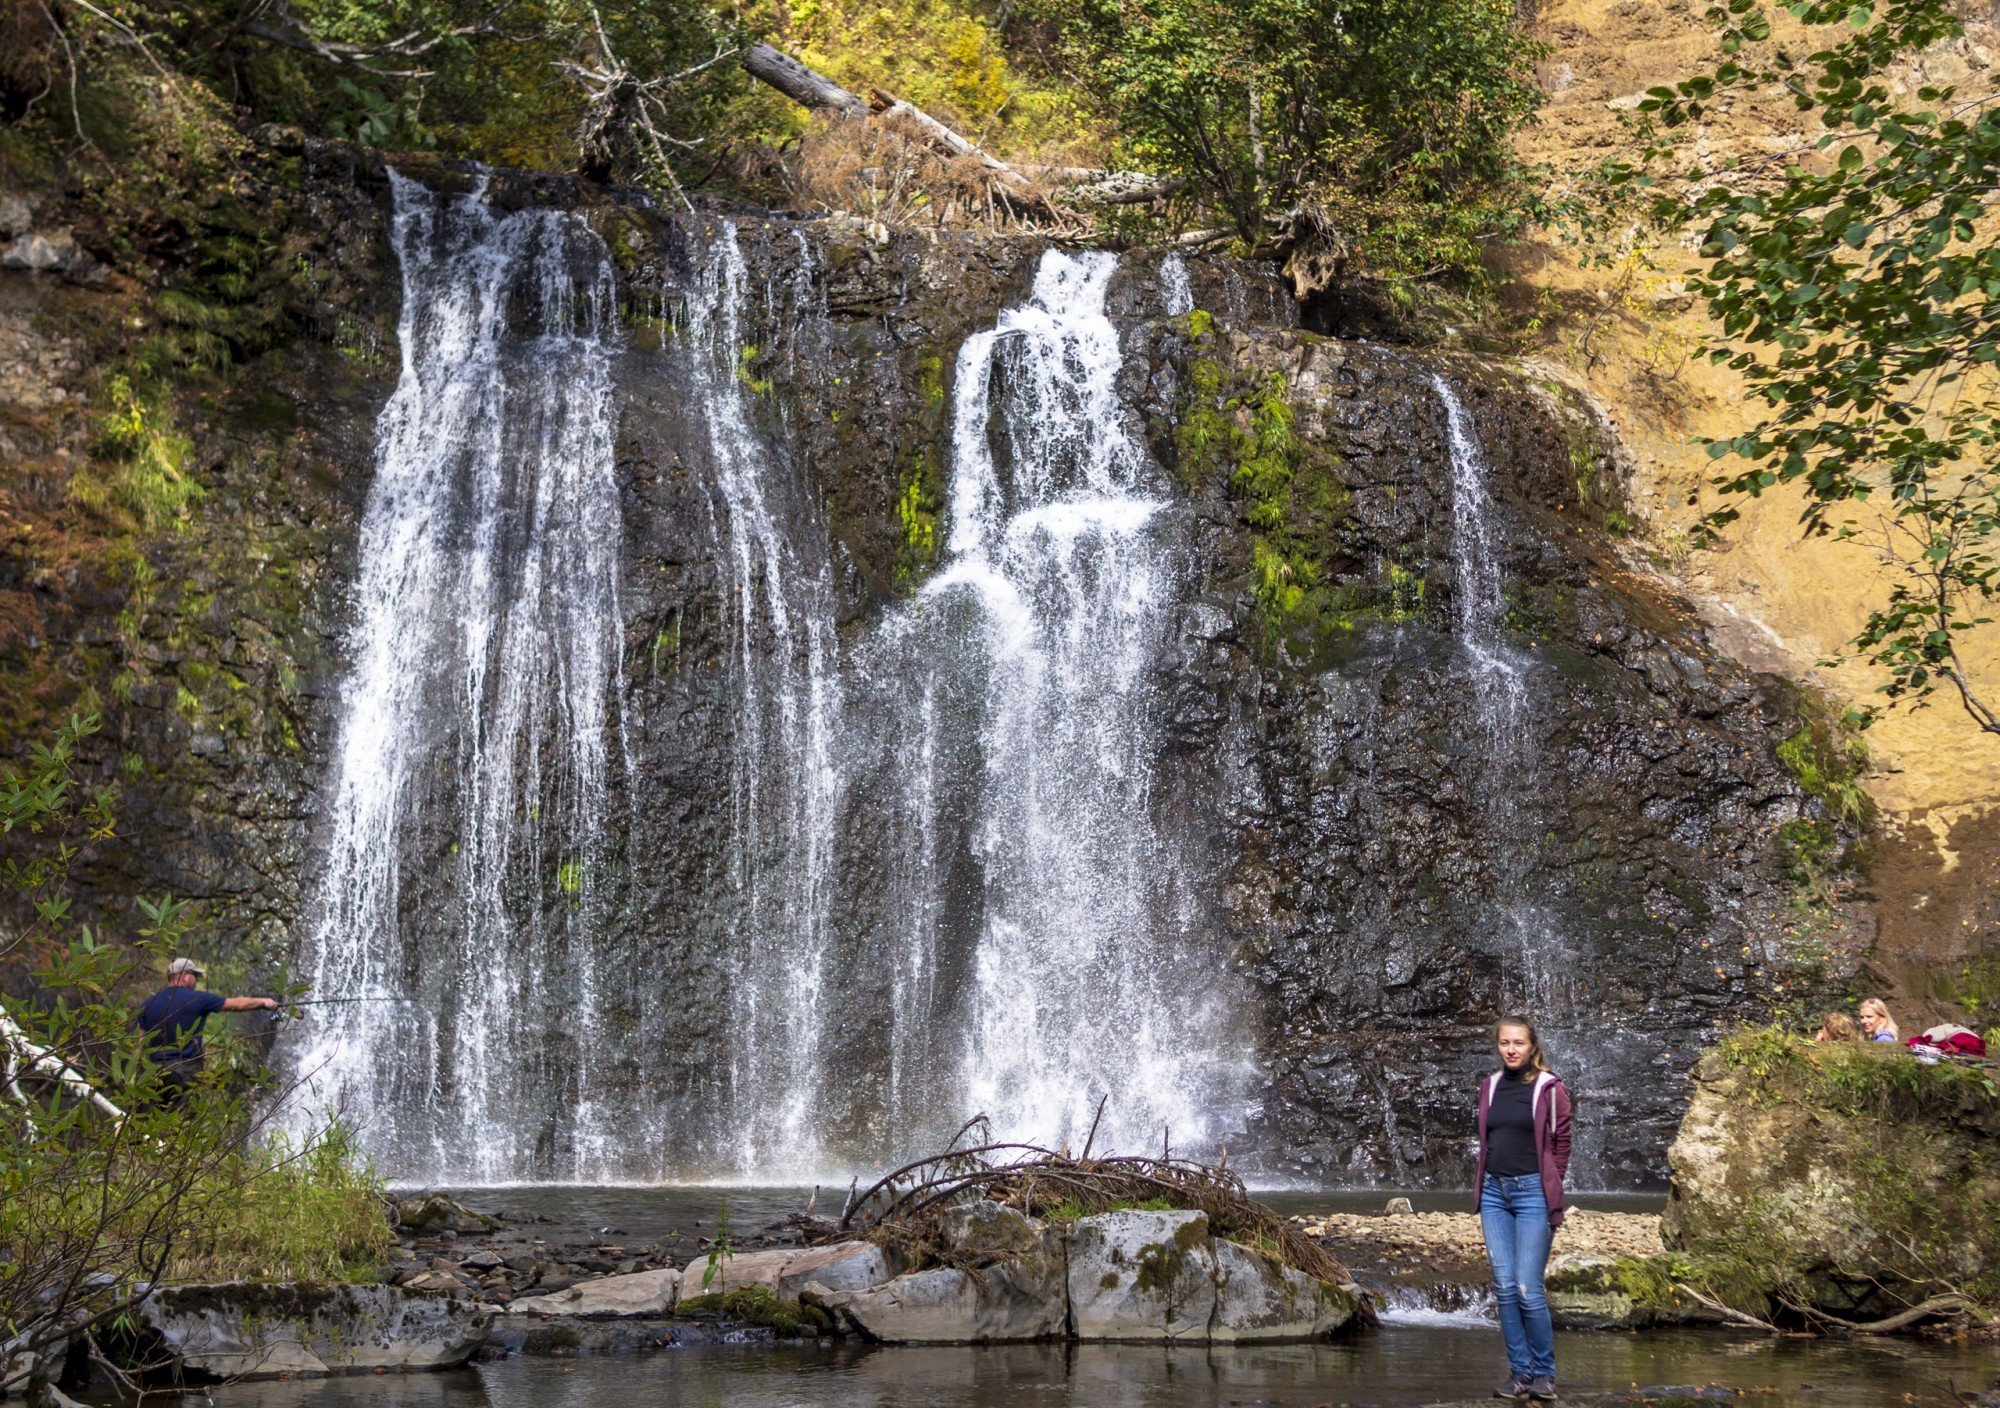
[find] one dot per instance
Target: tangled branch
(907, 1206)
(273, 22)
(622, 108)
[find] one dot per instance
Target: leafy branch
(1859, 297)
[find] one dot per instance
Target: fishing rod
(291, 1010)
(330, 1001)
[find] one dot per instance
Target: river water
(1393, 1367)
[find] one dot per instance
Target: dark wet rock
(535, 1335)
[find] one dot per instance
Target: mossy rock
(1633, 1292)
(759, 1305)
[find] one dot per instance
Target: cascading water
(1499, 670)
(473, 771)
(785, 782)
(1499, 677)
(1071, 972)
(1176, 290)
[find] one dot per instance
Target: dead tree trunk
(814, 90)
(799, 83)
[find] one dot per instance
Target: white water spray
(785, 778)
(1042, 632)
(471, 777)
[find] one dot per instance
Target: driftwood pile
(906, 1208)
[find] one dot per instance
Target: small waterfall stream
(785, 782)
(1541, 983)
(473, 768)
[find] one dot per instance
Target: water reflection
(1395, 1368)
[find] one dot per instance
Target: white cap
(183, 965)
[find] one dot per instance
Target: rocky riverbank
(1405, 1250)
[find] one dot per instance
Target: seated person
(1876, 1021)
(1837, 1026)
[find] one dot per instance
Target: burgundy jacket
(1551, 1104)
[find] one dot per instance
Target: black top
(1510, 1126)
(172, 1020)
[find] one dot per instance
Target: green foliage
(141, 469)
(1291, 492)
(917, 507)
(946, 57)
(1975, 986)
(1860, 1079)
(1859, 295)
(720, 1250)
(1828, 772)
(176, 1179)
(312, 1214)
(1384, 127)
(467, 77)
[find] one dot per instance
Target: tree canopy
(1375, 134)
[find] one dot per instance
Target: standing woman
(1523, 1155)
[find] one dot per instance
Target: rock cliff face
(1385, 856)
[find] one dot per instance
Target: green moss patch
(1290, 491)
(759, 1305)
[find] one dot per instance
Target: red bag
(1955, 1040)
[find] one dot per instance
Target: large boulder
(946, 1305)
(1848, 1176)
(1258, 1297)
(735, 1271)
(247, 1331)
(1014, 1290)
(1142, 1276)
(845, 1266)
(640, 1294)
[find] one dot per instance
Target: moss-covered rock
(1636, 1292)
(1848, 1177)
(759, 1305)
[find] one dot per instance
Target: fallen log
(20, 1051)
(1106, 187)
(812, 89)
(804, 86)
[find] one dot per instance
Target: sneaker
(1542, 1389)
(1516, 1387)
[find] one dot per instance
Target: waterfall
(1499, 681)
(1176, 293)
(472, 775)
(1544, 985)
(1049, 926)
(785, 783)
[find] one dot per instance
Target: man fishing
(173, 1019)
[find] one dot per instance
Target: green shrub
(311, 1215)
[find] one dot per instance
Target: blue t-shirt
(1881, 1036)
(172, 1020)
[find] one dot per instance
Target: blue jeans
(1514, 1215)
